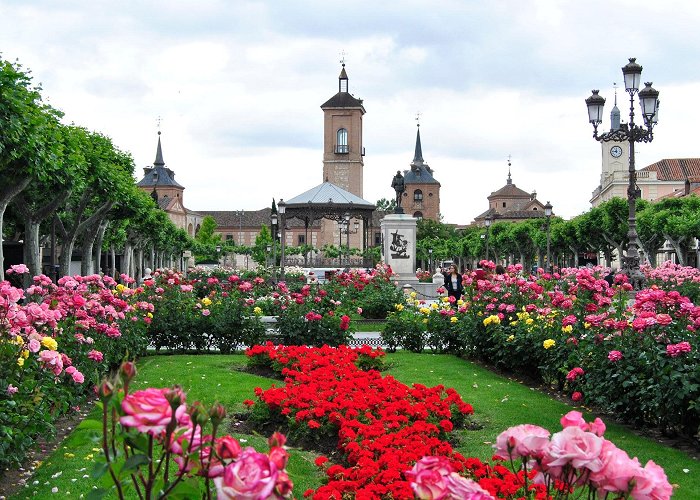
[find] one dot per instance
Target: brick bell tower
(343, 156)
(343, 152)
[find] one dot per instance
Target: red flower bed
(383, 426)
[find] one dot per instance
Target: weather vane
(158, 120)
(342, 57)
(509, 160)
(418, 118)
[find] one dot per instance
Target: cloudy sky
(239, 84)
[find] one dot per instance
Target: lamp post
(649, 104)
(273, 224)
(281, 209)
(487, 222)
(268, 248)
(548, 214)
(218, 255)
(430, 259)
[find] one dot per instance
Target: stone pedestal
(399, 246)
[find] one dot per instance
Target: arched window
(417, 195)
(418, 215)
(341, 142)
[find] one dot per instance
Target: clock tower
(614, 176)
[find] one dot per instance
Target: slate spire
(159, 155)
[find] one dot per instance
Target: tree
(386, 205)
(26, 137)
(207, 239)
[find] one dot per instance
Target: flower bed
(56, 341)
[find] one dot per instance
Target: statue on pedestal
(398, 184)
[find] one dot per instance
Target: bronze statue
(399, 186)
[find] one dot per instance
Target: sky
(238, 85)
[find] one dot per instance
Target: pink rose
(617, 471)
(652, 483)
(574, 419)
(428, 477)
(597, 427)
(149, 411)
(51, 360)
(251, 477)
(573, 446)
(459, 487)
(576, 396)
(11, 389)
(614, 356)
(34, 345)
(78, 377)
(664, 319)
(95, 356)
(522, 441)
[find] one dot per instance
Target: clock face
(616, 151)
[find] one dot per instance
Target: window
(417, 195)
(377, 239)
(341, 142)
(301, 239)
(504, 204)
(229, 237)
(418, 215)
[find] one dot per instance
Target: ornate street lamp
(281, 208)
(430, 260)
(548, 214)
(273, 226)
(649, 104)
(218, 255)
(488, 222)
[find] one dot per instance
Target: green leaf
(133, 462)
(96, 494)
(99, 470)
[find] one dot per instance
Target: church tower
(614, 175)
(421, 197)
(343, 152)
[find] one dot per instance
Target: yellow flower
(567, 329)
(548, 343)
(513, 323)
(460, 302)
(492, 319)
(511, 338)
(25, 354)
(586, 325)
(206, 301)
(19, 340)
(399, 307)
(445, 299)
(529, 321)
(425, 320)
(454, 319)
(49, 343)
(257, 311)
(413, 295)
(120, 288)
(424, 310)
(434, 305)
(20, 362)
(150, 314)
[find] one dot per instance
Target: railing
(342, 149)
(336, 262)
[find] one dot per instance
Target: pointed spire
(615, 113)
(418, 156)
(509, 180)
(159, 155)
(343, 80)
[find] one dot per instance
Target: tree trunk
(678, 247)
(97, 251)
(31, 250)
(113, 262)
(574, 251)
(7, 192)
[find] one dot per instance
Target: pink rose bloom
(227, 449)
(95, 356)
(149, 411)
(576, 396)
(574, 419)
(459, 488)
(614, 356)
(664, 319)
(428, 477)
(78, 377)
(573, 446)
(11, 389)
(205, 312)
(652, 483)
(522, 441)
(251, 477)
(617, 471)
(34, 345)
(51, 360)
(597, 427)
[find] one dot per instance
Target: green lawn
(498, 404)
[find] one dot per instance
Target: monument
(399, 238)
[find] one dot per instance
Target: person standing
(453, 283)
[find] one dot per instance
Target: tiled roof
(510, 190)
(158, 176)
(675, 169)
(328, 193)
(343, 100)
(419, 175)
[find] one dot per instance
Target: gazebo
(325, 201)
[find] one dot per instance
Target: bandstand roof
(327, 201)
